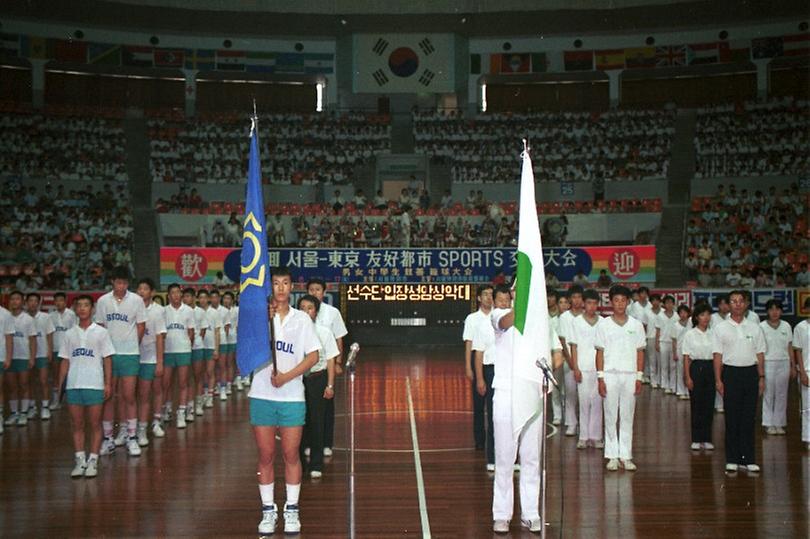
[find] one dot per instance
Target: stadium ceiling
(474, 18)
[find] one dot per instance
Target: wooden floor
(201, 481)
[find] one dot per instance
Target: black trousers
(741, 385)
(329, 424)
(489, 375)
(479, 435)
(702, 399)
(314, 386)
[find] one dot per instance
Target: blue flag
(253, 345)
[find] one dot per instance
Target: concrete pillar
(191, 91)
(38, 82)
(763, 80)
(614, 87)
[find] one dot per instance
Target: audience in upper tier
(753, 139)
(295, 148)
(566, 146)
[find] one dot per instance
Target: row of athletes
(604, 357)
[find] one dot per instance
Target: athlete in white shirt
(663, 345)
(676, 332)
(779, 368)
(331, 318)
(653, 355)
(277, 402)
(220, 347)
(583, 366)
(62, 319)
(227, 359)
(723, 310)
(483, 350)
(123, 314)
(150, 376)
(566, 332)
(6, 348)
(24, 350)
(696, 350)
(180, 331)
(471, 327)
(202, 327)
(86, 373)
(801, 345)
(45, 331)
(638, 309)
(620, 344)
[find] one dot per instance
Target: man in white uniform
(723, 310)
(583, 365)
(45, 331)
(566, 332)
(221, 344)
(180, 330)
(663, 345)
(638, 309)
(472, 323)
(150, 375)
(62, 319)
(620, 344)
(24, 350)
(801, 345)
(653, 356)
(779, 368)
(202, 327)
(483, 350)
(6, 348)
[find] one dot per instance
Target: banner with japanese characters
(201, 266)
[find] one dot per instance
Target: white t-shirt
(504, 349)
(583, 334)
(62, 322)
(664, 323)
(651, 321)
(331, 318)
(566, 329)
(234, 320)
(44, 328)
(295, 338)
(201, 322)
(639, 311)
(225, 319)
(478, 330)
(620, 344)
(777, 341)
(801, 341)
(738, 343)
(121, 320)
(697, 344)
(6, 328)
(214, 327)
(86, 349)
(178, 322)
(329, 348)
(677, 332)
(24, 329)
(155, 325)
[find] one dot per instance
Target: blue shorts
(125, 365)
(177, 359)
(197, 355)
(41, 363)
(85, 397)
(266, 413)
(147, 371)
(19, 365)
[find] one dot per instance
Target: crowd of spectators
(294, 148)
(737, 238)
(62, 238)
(754, 139)
(566, 146)
(61, 145)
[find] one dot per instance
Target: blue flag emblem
(253, 345)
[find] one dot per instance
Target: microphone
(354, 349)
(543, 365)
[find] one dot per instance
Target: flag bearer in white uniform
(62, 319)
(180, 330)
(653, 356)
(779, 368)
(583, 365)
(483, 349)
(87, 355)
(45, 331)
(6, 348)
(801, 345)
(507, 447)
(620, 344)
(566, 332)
(23, 356)
(201, 328)
(663, 345)
(677, 331)
(472, 323)
(278, 406)
(124, 316)
(150, 376)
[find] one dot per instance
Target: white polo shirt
(121, 318)
(330, 317)
(62, 322)
(329, 348)
(583, 334)
(178, 322)
(752, 316)
(777, 340)
(24, 328)
(620, 344)
(738, 343)
(801, 341)
(155, 325)
(214, 327)
(295, 338)
(44, 328)
(479, 331)
(504, 349)
(697, 344)
(86, 349)
(6, 328)
(201, 322)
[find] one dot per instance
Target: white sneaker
(133, 448)
(731, 467)
(654, 385)
(582, 444)
(143, 439)
(166, 415)
(708, 446)
(22, 420)
(315, 474)
(11, 419)
(751, 468)
(122, 437)
(107, 447)
(78, 469)
(157, 430)
(246, 382)
(55, 404)
(269, 518)
(535, 525)
(229, 388)
(92, 468)
(208, 401)
(683, 397)
(181, 421)
(198, 405)
(238, 384)
(327, 451)
(32, 412)
(190, 414)
(629, 465)
(695, 446)
(612, 465)
(571, 430)
(599, 444)
(490, 467)
(668, 392)
(719, 410)
(771, 430)
(223, 395)
(292, 520)
(46, 413)
(556, 422)
(780, 431)
(500, 526)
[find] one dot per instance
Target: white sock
(168, 405)
(181, 410)
(142, 425)
(292, 493)
(107, 426)
(80, 455)
(266, 492)
(132, 424)
(15, 405)
(93, 456)
(46, 403)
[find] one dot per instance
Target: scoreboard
(418, 313)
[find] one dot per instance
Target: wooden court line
(417, 460)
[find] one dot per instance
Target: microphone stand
(548, 378)
(351, 362)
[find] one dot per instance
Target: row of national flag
(82, 52)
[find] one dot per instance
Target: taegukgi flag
(253, 345)
(531, 335)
